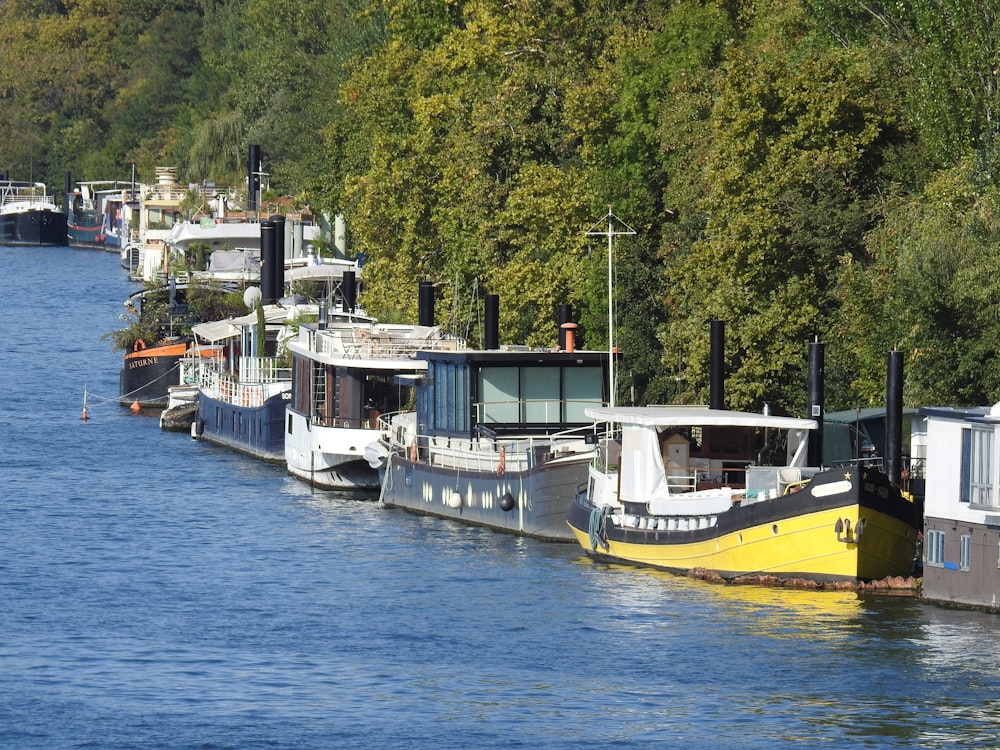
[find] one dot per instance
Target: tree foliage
(796, 169)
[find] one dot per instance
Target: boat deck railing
(486, 451)
(27, 193)
(360, 342)
(253, 383)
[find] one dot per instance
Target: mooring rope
(597, 527)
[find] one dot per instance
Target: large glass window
(442, 390)
(540, 391)
(499, 393)
(582, 387)
(965, 554)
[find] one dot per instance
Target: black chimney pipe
(349, 291)
(565, 316)
(894, 416)
(717, 399)
(816, 398)
(278, 269)
(426, 304)
(268, 258)
(491, 322)
(253, 176)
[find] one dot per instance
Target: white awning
(215, 330)
(328, 269)
(694, 416)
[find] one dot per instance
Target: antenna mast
(615, 228)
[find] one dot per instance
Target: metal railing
(486, 452)
(30, 193)
(248, 386)
(359, 342)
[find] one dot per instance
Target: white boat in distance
(29, 215)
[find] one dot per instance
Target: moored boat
(684, 489)
(148, 371)
(346, 376)
(84, 214)
(29, 216)
(152, 365)
(243, 391)
(499, 436)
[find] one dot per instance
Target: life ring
(139, 345)
(413, 452)
(502, 464)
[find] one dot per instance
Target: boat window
(965, 551)
(499, 394)
(449, 410)
(462, 422)
(581, 387)
(977, 466)
(540, 394)
(934, 549)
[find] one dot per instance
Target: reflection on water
(842, 667)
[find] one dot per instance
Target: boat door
(676, 453)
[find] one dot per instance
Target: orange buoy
(135, 407)
(84, 416)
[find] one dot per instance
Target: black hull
(34, 227)
(146, 376)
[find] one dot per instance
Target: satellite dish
(251, 297)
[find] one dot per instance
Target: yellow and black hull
(810, 534)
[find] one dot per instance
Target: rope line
(597, 527)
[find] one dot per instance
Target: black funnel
(565, 316)
(278, 269)
(349, 290)
(268, 258)
(717, 399)
(894, 416)
(426, 304)
(491, 322)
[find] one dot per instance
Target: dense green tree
(952, 48)
(932, 291)
(797, 133)
(797, 168)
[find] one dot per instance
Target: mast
(615, 228)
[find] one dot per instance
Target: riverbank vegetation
(795, 168)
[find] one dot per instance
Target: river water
(157, 592)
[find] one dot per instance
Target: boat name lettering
(144, 362)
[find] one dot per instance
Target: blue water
(157, 592)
